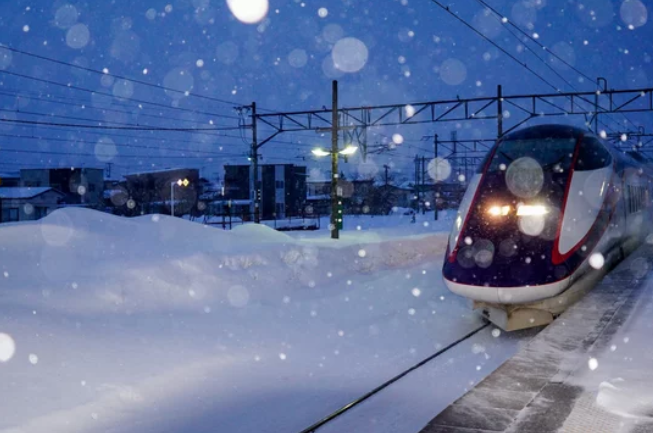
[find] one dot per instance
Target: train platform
(590, 371)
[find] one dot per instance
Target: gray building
(282, 188)
(26, 203)
(81, 186)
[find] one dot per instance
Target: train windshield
(551, 154)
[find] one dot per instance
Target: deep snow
(155, 324)
(619, 374)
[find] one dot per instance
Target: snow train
(549, 204)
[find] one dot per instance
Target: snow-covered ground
(621, 374)
(155, 324)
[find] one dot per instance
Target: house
(27, 203)
(80, 186)
(281, 188)
(395, 195)
(151, 192)
(318, 197)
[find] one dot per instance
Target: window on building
(279, 184)
(9, 214)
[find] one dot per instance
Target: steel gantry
(516, 109)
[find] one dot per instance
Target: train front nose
(507, 242)
(531, 215)
(504, 236)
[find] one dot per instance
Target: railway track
(314, 427)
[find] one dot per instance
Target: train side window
(592, 155)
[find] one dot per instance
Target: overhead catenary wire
(127, 145)
(120, 77)
(529, 36)
(95, 155)
(86, 106)
(501, 17)
(127, 128)
(140, 101)
(83, 119)
(499, 47)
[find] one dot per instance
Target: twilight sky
(383, 51)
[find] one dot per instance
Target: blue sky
(415, 52)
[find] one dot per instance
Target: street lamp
(179, 182)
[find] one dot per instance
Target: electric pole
(254, 153)
(335, 217)
(435, 174)
(424, 185)
(386, 167)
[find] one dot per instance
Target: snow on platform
(156, 324)
(589, 371)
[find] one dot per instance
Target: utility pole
(335, 218)
(499, 112)
(436, 180)
(386, 167)
(424, 185)
(416, 186)
(254, 153)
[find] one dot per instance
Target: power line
(472, 28)
(53, 152)
(61, 116)
(500, 17)
(134, 146)
(128, 128)
(120, 77)
(84, 106)
(520, 30)
(140, 101)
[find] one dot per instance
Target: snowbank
(157, 324)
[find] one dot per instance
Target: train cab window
(551, 153)
(592, 155)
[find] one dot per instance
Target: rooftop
(22, 192)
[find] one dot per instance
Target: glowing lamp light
(499, 210)
(531, 210)
(183, 182)
(349, 150)
(320, 152)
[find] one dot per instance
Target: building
(80, 186)
(318, 197)
(151, 192)
(27, 203)
(9, 179)
(282, 188)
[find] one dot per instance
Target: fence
(227, 221)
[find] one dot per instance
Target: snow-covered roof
(318, 197)
(10, 192)
(160, 171)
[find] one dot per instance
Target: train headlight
(531, 210)
(499, 210)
